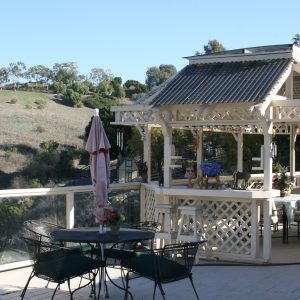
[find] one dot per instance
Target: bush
(41, 104)
(72, 98)
(13, 101)
(40, 129)
(80, 88)
(58, 87)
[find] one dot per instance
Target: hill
(29, 118)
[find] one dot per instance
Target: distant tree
(4, 78)
(98, 76)
(50, 164)
(16, 71)
(213, 46)
(134, 87)
(118, 90)
(58, 87)
(39, 73)
(296, 39)
(156, 76)
(65, 72)
(80, 88)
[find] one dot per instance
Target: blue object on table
(210, 169)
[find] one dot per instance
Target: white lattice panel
(227, 226)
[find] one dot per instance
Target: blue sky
(128, 37)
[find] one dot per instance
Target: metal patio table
(92, 236)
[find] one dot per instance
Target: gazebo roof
(222, 82)
(229, 88)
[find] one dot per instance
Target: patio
(276, 280)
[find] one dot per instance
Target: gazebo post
(145, 133)
(147, 150)
(293, 137)
(267, 207)
(200, 153)
(167, 132)
(239, 139)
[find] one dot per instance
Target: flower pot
(284, 193)
(114, 229)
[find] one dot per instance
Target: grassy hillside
(28, 118)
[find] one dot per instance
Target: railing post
(70, 210)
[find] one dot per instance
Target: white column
(240, 152)
(268, 160)
(239, 139)
(267, 239)
(293, 137)
(200, 153)
(167, 132)
(254, 228)
(147, 150)
(70, 210)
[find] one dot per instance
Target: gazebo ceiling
(228, 82)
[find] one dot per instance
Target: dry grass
(24, 124)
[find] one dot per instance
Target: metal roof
(229, 82)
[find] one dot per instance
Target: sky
(128, 37)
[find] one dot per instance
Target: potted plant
(283, 182)
(114, 220)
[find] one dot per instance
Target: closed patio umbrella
(98, 147)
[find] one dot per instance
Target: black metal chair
(118, 251)
(57, 264)
(41, 230)
(172, 263)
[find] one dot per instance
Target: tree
(156, 76)
(134, 88)
(16, 71)
(296, 39)
(213, 46)
(72, 98)
(98, 76)
(39, 73)
(66, 72)
(4, 78)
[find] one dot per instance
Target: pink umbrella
(98, 147)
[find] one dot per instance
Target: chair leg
(161, 290)
(191, 279)
(71, 297)
(26, 285)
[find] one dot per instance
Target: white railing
(69, 193)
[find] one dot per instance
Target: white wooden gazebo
(252, 90)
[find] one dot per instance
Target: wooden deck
(213, 279)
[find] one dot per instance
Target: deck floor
(213, 280)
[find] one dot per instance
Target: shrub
(58, 87)
(40, 129)
(41, 104)
(13, 101)
(72, 98)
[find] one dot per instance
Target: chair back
(183, 253)
(40, 230)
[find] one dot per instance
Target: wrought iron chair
(172, 263)
(39, 229)
(119, 251)
(58, 264)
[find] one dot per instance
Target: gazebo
(245, 91)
